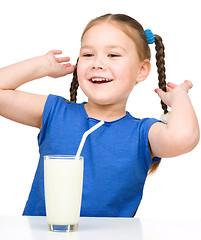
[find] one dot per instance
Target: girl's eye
(87, 55)
(113, 55)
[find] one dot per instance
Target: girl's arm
(23, 107)
(181, 134)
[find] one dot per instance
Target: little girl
(114, 56)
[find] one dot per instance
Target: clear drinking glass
(63, 178)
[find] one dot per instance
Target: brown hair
(135, 31)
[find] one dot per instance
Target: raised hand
(58, 67)
(172, 90)
(181, 134)
(23, 107)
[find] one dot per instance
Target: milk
(63, 190)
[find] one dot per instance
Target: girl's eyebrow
(116, 46)
(107, 47)
(86, 46)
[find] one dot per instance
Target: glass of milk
(63, 178)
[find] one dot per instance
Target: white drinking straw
(85, 136)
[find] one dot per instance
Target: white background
(31, 28)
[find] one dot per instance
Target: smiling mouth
(100, 80)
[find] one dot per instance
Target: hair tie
(150, 36)
(165, 117)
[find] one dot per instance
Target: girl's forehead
(105, 32)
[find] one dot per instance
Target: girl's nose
(98, 64)
(97, 67)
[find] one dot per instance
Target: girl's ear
(144, 70)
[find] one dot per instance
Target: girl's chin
(103, 101)
(99, 101)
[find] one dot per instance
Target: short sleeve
(53, 103)
(144, 142)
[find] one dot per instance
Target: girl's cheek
(80, 73)
(80, 66)
(79, 69)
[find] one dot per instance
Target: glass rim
(51, 157)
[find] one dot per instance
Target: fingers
(188, 83)
(171, 85)
(60, 59)
(70, 68)
(56, 51)
(164, 96)
(172, 89)
(63, 59)
(67, 65)
(160, 92)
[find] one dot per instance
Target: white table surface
(35, 228)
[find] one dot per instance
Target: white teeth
(100, 79)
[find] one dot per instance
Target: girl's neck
(107, 113)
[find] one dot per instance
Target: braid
(160, 63)
(74, 86)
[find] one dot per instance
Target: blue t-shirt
(116, 159)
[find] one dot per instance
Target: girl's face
(108, 66)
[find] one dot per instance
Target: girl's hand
(181, 134)
(172, 90)
(55, 67)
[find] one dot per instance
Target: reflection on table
(35, 228)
